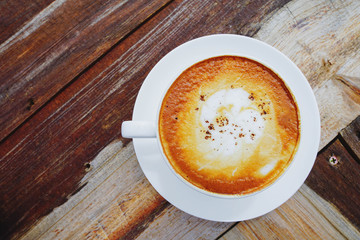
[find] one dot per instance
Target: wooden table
(69, 76)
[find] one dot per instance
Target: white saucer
(170, 186)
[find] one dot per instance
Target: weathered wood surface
(305, 216)
(80, 171)
(14, 14)
(335, 177)
(57, 44)
(351, 136)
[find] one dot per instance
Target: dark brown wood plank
(335, 177)
(48, 52)
(351, 136)
(45, 159)
(15, 13)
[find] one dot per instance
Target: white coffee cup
(288, 72)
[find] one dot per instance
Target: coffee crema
(229, 125)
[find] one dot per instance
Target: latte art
(229, 125)
(230, 120)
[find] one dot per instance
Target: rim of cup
(191, 185)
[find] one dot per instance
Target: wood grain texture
(305, 216)
(338, 182)
(15, 14)
(63, 137)
(71, 130)
(338, 104)
(115, 199)
(55, 46)
(321, 37)
(173, 223)
(351, 136)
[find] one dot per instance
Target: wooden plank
(335, 177)
(15, 14)
(351, 136)
(91, 110)
(321, 37)
(71, 130)
(305, 216)
(115, 198)
(338, 104)
(55, 46)
(173, 223)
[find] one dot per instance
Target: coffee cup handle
(138, 129)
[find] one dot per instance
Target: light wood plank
(305, 216)
(173, 223)
(321, 37)
(339, 105)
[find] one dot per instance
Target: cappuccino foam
(230, 120)
(229, 125)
